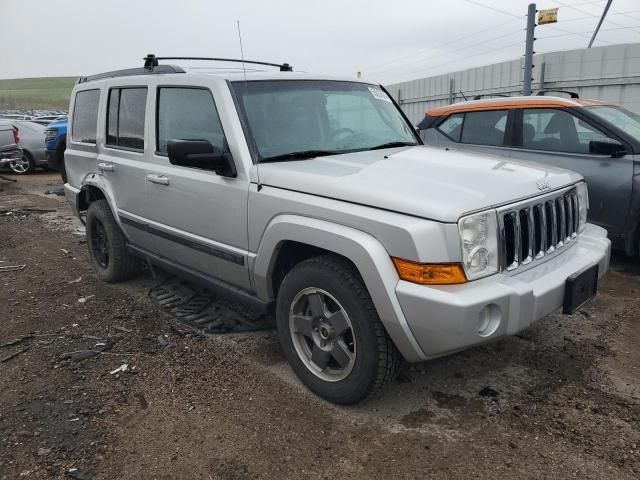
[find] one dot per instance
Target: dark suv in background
(596, 139)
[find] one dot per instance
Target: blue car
(56, 142)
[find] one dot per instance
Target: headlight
(479, 239)
(50, 134)
(583, 204)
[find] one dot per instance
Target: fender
(368, 255)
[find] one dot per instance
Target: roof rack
(132, 71)
(151, 67)
(151, 61)
(478, 97)
(541, 93)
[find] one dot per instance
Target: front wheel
(331, 333)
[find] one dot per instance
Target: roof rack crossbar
(478, 97)
(151, 61)
(541, 93)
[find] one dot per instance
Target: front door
(557, 137)
(199, 218)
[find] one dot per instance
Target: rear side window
(85, 116)
(187, 114)
(485, 128)
(452, 126)
(126, 117)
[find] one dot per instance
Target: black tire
(107, 245)
(61, 166)
(376, 357)
(28, 159)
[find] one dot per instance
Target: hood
(422, 181)
(58, 123)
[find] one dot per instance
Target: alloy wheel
(322, 334)
(21, 165)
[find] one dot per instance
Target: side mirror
(613, 149)
(201, 154)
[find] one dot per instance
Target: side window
(485, 128)
(187, 114)
(126, 117)
(557, 130)
(85, 116)
(452, 126)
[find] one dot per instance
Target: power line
(479, 4)
(589, 13)
(440, 45)
(458, 60)
(449, 52)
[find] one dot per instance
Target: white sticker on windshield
(379, 94)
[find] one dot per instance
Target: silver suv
(314, 197)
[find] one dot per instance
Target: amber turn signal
(430, 273)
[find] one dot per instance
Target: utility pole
(528, 51)
(604, 14)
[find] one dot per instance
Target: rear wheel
(107, 245)
(24, 165)
(331, 333)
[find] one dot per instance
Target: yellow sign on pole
(549, 15)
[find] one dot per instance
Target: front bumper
(450, 318)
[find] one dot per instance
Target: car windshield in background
(621, 118)
(297, 119)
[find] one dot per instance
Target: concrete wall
(609, 73)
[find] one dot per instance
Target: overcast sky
(388, 41)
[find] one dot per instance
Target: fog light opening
(489, 320)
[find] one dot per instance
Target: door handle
(158, 179)
(105, 167)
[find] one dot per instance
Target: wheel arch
(293, 238)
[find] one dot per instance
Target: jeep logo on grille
(542, 185)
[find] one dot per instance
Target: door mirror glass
(613, 149)
(201, 154)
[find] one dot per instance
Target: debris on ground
(201, 309)
(122, 368)
(15, 354)
(488, 392)
(12, 268)
(80, 474)
(18, 340)
(84, 299)
(142, 400)
(77, 280)
(84, 354)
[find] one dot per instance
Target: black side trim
(201, 247)
(217, 286)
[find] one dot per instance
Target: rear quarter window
(85, 116)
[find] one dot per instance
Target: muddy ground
(566, 398)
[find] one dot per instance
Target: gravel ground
(560, 400)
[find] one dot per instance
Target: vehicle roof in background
(511, 102)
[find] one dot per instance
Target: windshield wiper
(303, 155)
(392, 145)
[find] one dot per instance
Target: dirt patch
(560, 400)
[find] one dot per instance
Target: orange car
(599, 140)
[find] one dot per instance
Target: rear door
(557, 137)
(199, 218)
(124, 158)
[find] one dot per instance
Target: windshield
(295, 119)
(621, 118)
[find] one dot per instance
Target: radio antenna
(244, 70)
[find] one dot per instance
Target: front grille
(533, 229)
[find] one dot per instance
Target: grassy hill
(36, 93)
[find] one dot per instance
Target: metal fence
(609, 73)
